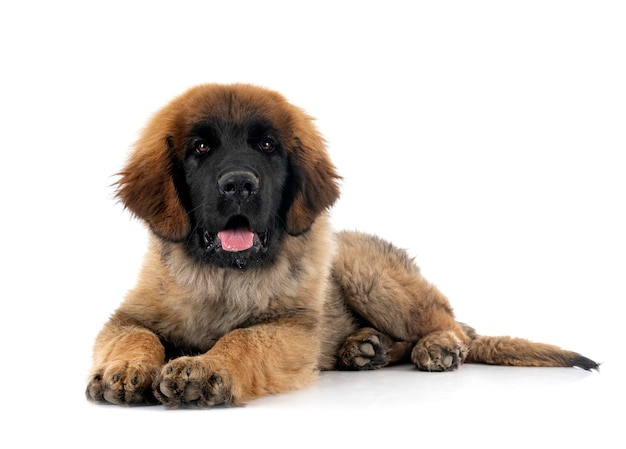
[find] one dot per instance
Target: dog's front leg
(244, 364)
(127, 357)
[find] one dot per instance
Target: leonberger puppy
(246, 290)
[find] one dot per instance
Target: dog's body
(245, 289)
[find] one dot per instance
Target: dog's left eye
(201, 147)
(266, 145)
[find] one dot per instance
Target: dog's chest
(207, 302)
(203, 315)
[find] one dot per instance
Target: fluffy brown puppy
(245, 289)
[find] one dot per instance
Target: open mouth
(236, 236)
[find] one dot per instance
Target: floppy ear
(316, 181)
(146, 185)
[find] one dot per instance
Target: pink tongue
(239, 239)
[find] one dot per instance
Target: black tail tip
(587, 364)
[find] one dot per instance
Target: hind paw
(367, 349)
(439, 351)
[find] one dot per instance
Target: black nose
(238, 184)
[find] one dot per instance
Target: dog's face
(235, 176)
(227, 170)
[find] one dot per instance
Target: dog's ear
(146, 185)
(316, 179)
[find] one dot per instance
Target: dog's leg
(126, 360)
(370, 349)
(383, 285)
(244, 364)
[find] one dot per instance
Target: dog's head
(227, 170)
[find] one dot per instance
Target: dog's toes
(122, 383)
(365, 350)
(439, 351)
(191, 382)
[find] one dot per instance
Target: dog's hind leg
(382, 284)
(369, 349)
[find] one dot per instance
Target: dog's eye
(266, 144)
(201, 147)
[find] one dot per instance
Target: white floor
(486, 405)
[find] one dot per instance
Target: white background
(487, 138)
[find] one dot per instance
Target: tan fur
(327, 301)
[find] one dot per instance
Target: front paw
(191, 382)
(122, 383)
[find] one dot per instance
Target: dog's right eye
(201, 147)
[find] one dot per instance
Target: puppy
(246, 290)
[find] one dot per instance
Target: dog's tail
(521, 352)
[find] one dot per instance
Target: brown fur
(192, 334)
